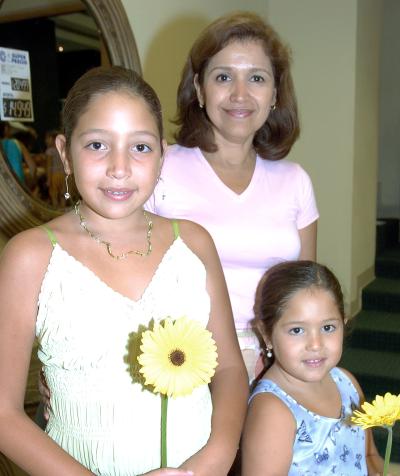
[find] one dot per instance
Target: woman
(237, 118)
(16, 153)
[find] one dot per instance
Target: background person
(16, 153)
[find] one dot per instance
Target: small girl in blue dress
(298, 421)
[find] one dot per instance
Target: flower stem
(164, 408)
(388, 450)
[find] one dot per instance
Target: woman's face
(238, 91)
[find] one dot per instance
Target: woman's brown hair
(275, 138)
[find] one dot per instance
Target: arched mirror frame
(19, 210)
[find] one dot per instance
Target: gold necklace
(108, 245)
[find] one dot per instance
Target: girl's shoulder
(32, 247)
(24, 261)
(29, 243)
(266, 408)
(194, 236)
(351, 378)
(197, 238)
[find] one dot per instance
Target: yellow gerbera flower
(177, 356)
(384, 411)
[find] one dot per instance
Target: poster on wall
(15, 85)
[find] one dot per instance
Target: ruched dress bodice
(88, 338)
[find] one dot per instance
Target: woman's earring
(201, 105)
(273, 107)
(67, 195)
(269, 351)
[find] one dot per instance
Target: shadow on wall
(165, 59)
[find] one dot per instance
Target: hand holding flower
(384, 411)
(177, 356)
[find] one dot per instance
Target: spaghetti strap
(50, 234)
(175, 226)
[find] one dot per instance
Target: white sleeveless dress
(99, 414)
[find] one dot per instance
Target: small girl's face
(307, 340)
(115, 153)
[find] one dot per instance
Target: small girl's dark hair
(281, 282)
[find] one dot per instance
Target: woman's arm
(308, 242)
(268, 436)
(229, 386)
(22, 267)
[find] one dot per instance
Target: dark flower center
(177, 357)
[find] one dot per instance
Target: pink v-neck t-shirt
(252, 230)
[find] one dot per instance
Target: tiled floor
(394, 469)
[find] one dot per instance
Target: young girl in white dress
(91, 279)
(298, 422)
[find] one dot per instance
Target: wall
(335, 49)
(336, 61)
(164, 36)
(389, 143)
(366, 137)
(335, 72)
(322, 37)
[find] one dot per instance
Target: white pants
(251, 352)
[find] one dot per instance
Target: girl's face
(238, 90)
(307, 339)
(115, 154)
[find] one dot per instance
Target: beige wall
(164, 32)
(389, 142)
(335, 48)
(366, 136)
(336, 62)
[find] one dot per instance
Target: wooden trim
(39, 12)
(18, 210)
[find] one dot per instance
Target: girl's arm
(229, 386)
(268, 436)
(308, 242)
(22, 267)
(169, 472)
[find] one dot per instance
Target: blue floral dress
(324, 446)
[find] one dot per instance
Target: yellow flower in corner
(177, 356)
(384, 411)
